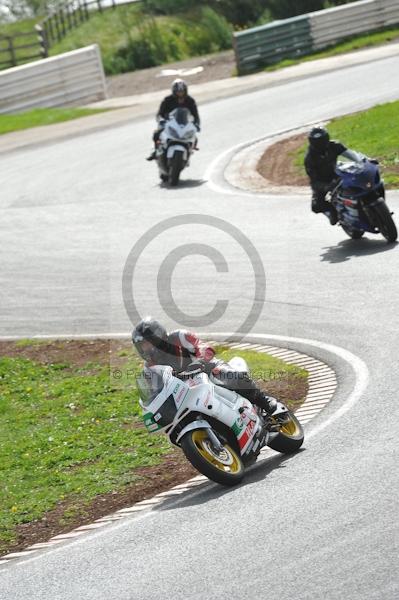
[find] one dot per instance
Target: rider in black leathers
(179, 98)
(320, 163)
(184, 352)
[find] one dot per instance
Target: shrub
(155, 43)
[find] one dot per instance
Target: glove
(192, 370)
(374, 161)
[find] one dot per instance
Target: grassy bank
(374, 132)
(131, 40)
(41, 116)
(71, 432)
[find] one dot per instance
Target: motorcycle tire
(225, 467)
(176, 167)
(290, 437)
(355, 234)
(385, 222)
(164, 178)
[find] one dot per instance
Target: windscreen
(149, 384)
(182, 116)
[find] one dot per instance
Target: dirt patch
(76, 353)
(214, 67)
(172, 470)
(277, 163)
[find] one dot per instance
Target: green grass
(355, 43)
(42, 116)
(131, 40)
(373, 132)
(21, 26)
(69, 434)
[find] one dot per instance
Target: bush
(169, 7)
(156, 43)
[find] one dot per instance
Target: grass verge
(375, 132)
(72, 441)
(42, 116)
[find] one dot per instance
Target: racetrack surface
(320, 524)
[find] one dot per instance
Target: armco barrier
(70, 79)
(290, 38)
(271, 43)
(330, 26)
(389, 10)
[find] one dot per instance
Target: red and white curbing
(322, 384)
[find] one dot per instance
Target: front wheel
(175, 167)
(224, 466)
(290, 436)
(385, 222)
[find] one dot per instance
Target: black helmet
(319, 139)
(179, 86)
(149, 330)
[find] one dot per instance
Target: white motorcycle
(219, 431)
(176, 144)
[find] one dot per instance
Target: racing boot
(332, 215)
(152, 155)
(266, 403)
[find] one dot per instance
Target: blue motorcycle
(359, 199)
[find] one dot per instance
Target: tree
(240, 12)
(283, 9)
(169, 7)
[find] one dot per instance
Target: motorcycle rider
(320, 162)
(178, 98)
(184, 352)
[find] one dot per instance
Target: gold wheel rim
(226, 461)
(290, 428)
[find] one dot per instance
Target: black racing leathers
(320, 168)
(171, 102)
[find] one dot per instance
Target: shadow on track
(209, 490)
(348, 249)
(183, 184)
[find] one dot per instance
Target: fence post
(62, 22)
(11, 50)
(74, 16)
(68, 14)
(81, 15)
(86, 9)
(57, 26)
(51, 35)
(42, 35)
(100, 8)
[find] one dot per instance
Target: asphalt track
(322, 524)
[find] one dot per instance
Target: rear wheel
(175, 167)
(385, 222)
(223, 466)
(355, 234)
(290, 436)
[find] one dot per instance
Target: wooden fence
(20, 48)
(70, 15)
